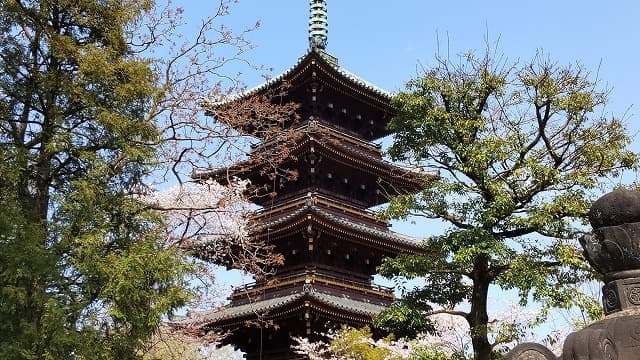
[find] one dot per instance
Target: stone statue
(531, 351)
(614, 251)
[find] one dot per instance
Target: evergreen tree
(82, 273)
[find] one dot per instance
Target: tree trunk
(478, 317)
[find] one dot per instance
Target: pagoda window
(328, 113)
(343, 118)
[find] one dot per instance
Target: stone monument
(613, 249)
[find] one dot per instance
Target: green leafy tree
(358, 344)
(82, 271)
(99, 102)
(520, 150)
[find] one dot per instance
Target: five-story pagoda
(320, 223)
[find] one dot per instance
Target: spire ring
(318, 24)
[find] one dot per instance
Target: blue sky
(385, 41)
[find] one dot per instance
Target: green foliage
(355, 344)
(82, 273)
(520, 150)
(408, 320)
(430, 353)
(167, 345)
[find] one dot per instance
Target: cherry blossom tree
(208, 119)
(213, 221)
(449, 340)
(204, 123)
(202, 108)
(168, 345)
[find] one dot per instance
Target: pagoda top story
(332, 94)
(340, 115)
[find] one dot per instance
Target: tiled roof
(356, 79)
(265, 306)
(330, 60)
(349, 223)
(407, 174)
(365, 159)
(365, 228)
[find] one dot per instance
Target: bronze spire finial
(318, 24)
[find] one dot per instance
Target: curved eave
(328, 64)
(335, 306)
(242, 169)
(398, 177)
(340, 226)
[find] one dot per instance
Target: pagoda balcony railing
(336, 131)
(282, 199)
(313, 277)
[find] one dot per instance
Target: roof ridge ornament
(318, 24)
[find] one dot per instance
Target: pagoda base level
(275, 340)
(268, 344)
(265, 329)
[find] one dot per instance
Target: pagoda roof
(299, 297)
(352, 152)
(328, 60)
(323, 215)
(349, 151)
(314, 128)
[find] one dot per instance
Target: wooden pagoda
(331, 243)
